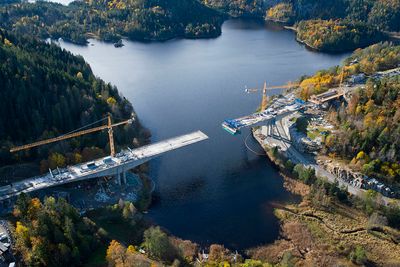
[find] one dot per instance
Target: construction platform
(107, 166)
(280, 107)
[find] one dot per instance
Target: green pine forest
(49, 92)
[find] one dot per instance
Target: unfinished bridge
(279, 108)
(114, 165)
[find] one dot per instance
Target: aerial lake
(216, 191)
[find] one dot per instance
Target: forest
(378, 57)
(383, 14)
(49, 92)
(338, 25)
(112, 20)
(337, 35)
(238, 8)
(368, 128)
(333, 25)
(52, 233)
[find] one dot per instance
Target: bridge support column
(118, 178)
(123, 177)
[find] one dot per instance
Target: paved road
(282, 139)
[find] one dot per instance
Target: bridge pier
(120, 178)
(114, 167)
(123, 177)
(117, 178)
(5, 204)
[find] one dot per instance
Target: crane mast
(264, 101)
(109, 126)
(111, 136)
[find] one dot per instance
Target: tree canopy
(47, 92)
(52, 233)
(111, 20)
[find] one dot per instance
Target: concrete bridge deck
(107, 166)
(280, 107)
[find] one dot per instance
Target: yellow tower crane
(264, 101)
(108, 126)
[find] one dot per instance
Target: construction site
(115, 167)
(275, 126)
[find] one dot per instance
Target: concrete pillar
(118, 178)
(123, 174)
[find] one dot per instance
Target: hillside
(238, 8)
(368, 127)
(338, 25)
(48, 92)
(112, 20)
(384, 14)
(337, 35)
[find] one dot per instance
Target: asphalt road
(282, 139)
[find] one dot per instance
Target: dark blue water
(215, 191)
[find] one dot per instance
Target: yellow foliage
(368, 120)
(7, 42)
(380, 121)
(21, 230)
(117, 4)
(111, 101)
(280, 12)
(56, 160)
(77, 158)
(115, 253)
(329, 140)
(22, 234)
(35, 203)
(34, 206)
(369, 106)
(360, 155)
(316, 84)
(359, 109)
(386, 169)
(131, 249)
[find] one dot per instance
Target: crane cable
(247, 146)
(83, 127)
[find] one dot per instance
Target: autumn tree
(158, 244)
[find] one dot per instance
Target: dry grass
(295, 186)
(317, 237)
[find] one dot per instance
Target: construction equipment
(108, 126)
(341, 80)
(289, 85)
(264, 101)
(331, 94)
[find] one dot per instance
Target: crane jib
(108, 126)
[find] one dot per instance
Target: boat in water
(230, 128)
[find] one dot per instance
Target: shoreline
(322, 229)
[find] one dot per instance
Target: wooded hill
(46, 92)
(367, 129)
(382, 14)
(338, 25)
(111, 20)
